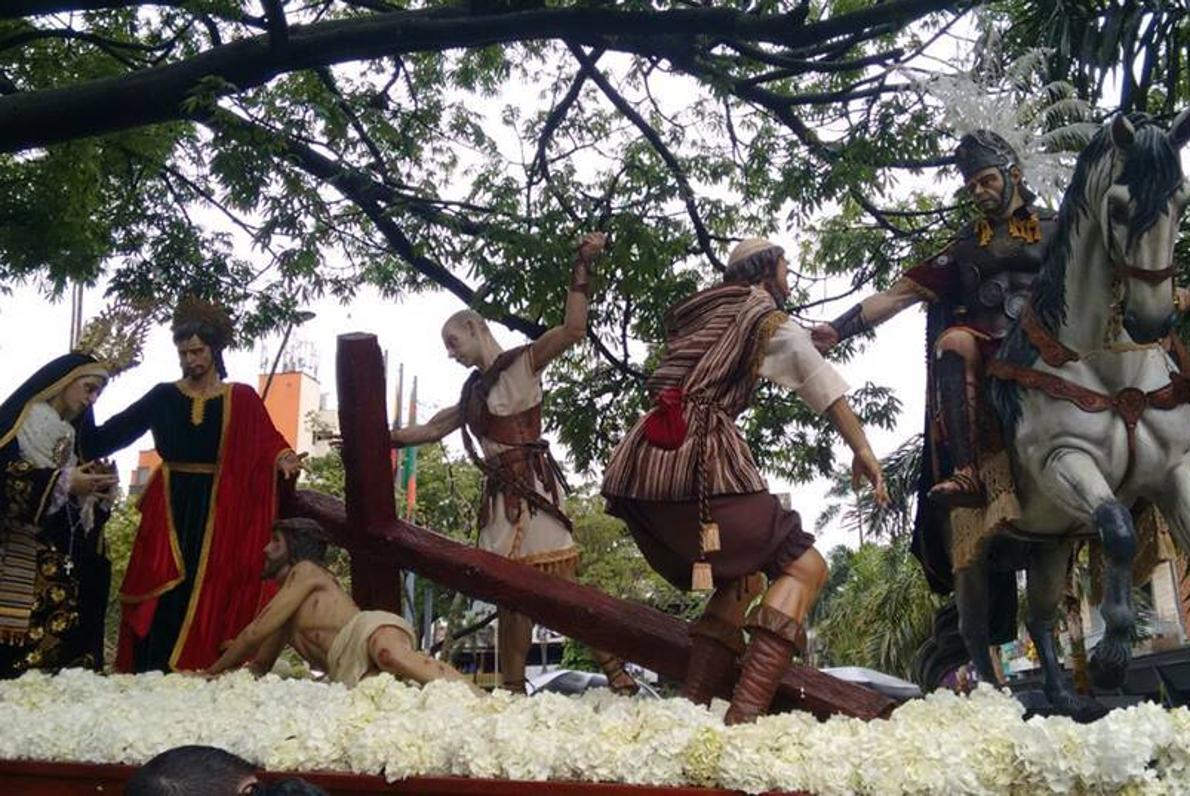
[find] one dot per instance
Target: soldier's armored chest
(995, 278)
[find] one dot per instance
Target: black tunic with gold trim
(187, 433)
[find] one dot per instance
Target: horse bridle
(1147, 275)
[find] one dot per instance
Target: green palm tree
(882, 613)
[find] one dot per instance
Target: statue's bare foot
(963, 488)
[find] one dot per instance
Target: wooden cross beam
(379, 542)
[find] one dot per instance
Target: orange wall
(283, 403)
(148, 459)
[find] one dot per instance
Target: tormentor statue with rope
(522, 515)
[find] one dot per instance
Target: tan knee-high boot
(774, 636)
(715, 643)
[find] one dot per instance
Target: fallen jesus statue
(313, 614)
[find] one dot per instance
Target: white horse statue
(1092, 400)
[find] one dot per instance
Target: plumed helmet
(981, 149)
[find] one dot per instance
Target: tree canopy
(269, 153)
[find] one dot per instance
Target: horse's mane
(1152, 172)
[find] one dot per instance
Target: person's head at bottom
(208, 771)
(193, 771)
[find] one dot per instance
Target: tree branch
(274, 14)
(557, 114)
(368, 195)
(159, 94)
(671, 161)
(12, 9)
(327, 79)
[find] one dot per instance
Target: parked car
(572, 681)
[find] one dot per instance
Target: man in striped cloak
(685, 482)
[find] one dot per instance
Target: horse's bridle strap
(1050, 348)
(1147, 275)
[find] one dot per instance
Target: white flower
(943, 744)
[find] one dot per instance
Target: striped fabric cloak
(715, 343)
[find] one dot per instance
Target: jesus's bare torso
(325, 611)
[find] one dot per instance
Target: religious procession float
(1058, 412)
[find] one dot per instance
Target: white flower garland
(943, 744)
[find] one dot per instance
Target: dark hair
(304, 539)
(209, 335)
(290, 786)
(754, 268)
(190, 771)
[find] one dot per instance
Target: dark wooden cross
(380, 543)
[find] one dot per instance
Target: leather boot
(773, 639)
(964, 487)
(714, 645)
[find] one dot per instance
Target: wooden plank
(633, 631)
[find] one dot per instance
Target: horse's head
(1139, 214)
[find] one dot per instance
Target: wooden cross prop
(380, 543)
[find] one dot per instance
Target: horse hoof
(1083, 710)
(1107, 671)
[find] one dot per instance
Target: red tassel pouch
(665, 426)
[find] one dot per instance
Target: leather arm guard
(850, 323)
(580, 278)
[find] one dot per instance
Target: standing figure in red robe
(193, 582)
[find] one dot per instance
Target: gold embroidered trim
(764, 332)
(188, 467)
(1027, 229)
(983, 232)
(45, 496)
(172, 530)
(208, 538)
(198, 402)
(87, 369)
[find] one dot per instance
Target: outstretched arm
(869, 313)
(268, 652)
(555, 341)
(864, 465)
(790, 359)
(433, 430)
(123, 429)
(297, 587)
